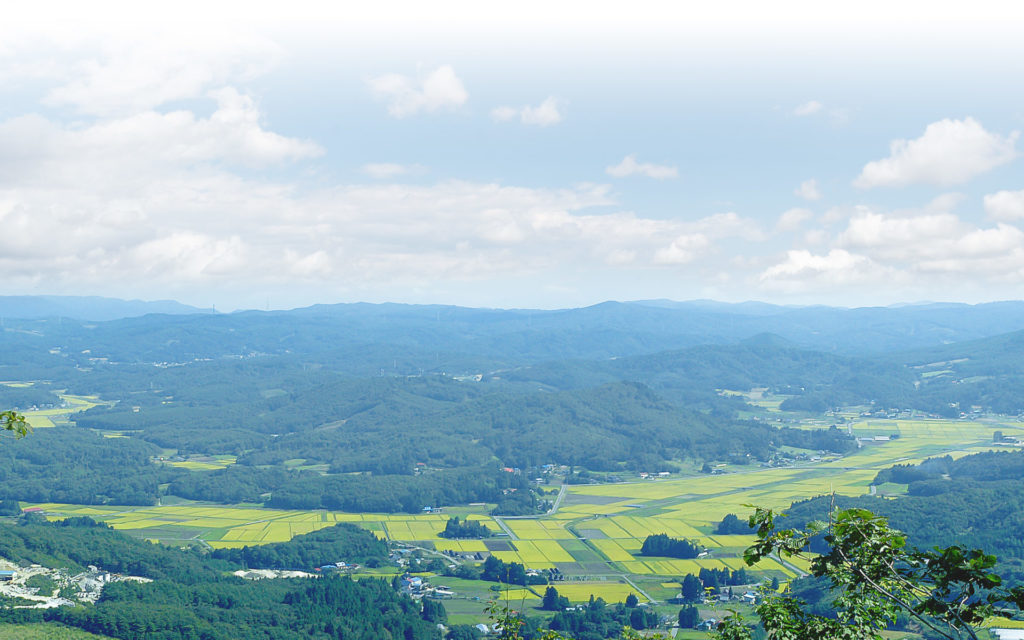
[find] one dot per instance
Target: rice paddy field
(595, 536)
(200, 463)
(47, 418)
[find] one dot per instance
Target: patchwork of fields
(598, 530)
(46, 418)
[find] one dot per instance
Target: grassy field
(595, 537)
(46, 418)
(44, 631)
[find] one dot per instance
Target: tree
(552, 601)
(464, 632)
(731, 524)
(689, 617)
(15, 422)
(877, 577)
(660, 544)
(434, 611)
(632, 601)
(692, 588)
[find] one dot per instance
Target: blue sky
(541, 156)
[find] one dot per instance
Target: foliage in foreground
(948, 591)
(15, 422)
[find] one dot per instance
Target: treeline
(496, 570)
(596, 620)
(831, 439)
(343, 542)
(357, 493)
(661, 544)
(694, 587)
(732, 525)
(227, 609)
(24, 397)
(455, 530)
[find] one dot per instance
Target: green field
(46, 418)
(44, 631)
(201, 463)
(597, 533)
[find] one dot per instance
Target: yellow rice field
(609, 521)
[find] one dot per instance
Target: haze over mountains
(606, 386)
(87, 307)
(396, 409)
(603, 330)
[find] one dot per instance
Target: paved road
(505, 528)
(558, 500)
(638, 589)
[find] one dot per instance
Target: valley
(267, 444)
(594, 535)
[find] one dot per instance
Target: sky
(527, 154)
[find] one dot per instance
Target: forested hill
(432, 401)
(88, 308)
(695, 376)
(193, 596)
(405, 339)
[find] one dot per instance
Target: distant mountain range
(609, 329)
(92, 308)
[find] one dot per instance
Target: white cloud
(683, 249)
(808, 108)
(406, 96)
(837, 265)
(728, 225)
(630, 167)
(803, 271)
(924, 252)
(153, 198)
(128, 75)
(816, 237)
(949, 152)
(808, 190)
(927, 242)
(144, 145)
(792, 219)
(388, 170)
(1005, 205)
(545, 114)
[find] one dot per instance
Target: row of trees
(455, 530)
(496, 570)
(660, 544)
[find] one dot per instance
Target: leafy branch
(15, 422)
(877, 576)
